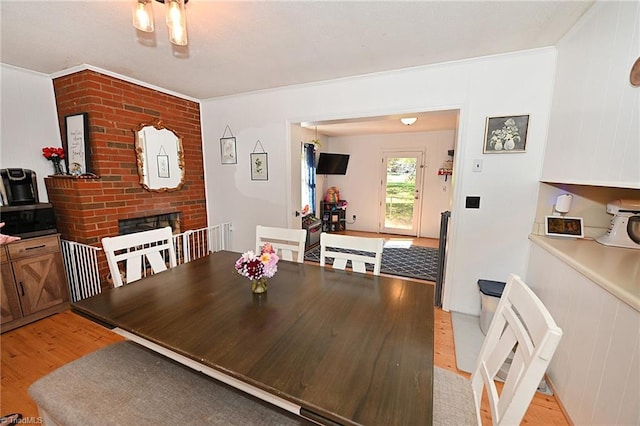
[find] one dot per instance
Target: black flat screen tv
(332, 164)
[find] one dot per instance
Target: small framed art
(562, 226)
(506, 134)
(77, 144)
(259, 166)
(228, 150)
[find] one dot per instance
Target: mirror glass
(160, 158)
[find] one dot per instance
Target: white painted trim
(218, 375)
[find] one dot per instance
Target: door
(401, 192)
(41, 280)
(295, 189)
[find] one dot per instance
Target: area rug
(468, 339)
(411, 262)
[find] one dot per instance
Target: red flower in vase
(52, 153)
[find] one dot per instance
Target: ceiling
(242, 46)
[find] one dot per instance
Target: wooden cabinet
(34, 283)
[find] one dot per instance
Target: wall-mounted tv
(332, 164)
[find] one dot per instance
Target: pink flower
(254, 267)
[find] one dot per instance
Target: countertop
(615, 269)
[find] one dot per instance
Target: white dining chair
(522, 325)
(331, 245)
(285, 241)
(142, 253)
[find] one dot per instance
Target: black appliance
(18, 187)
(28, 221)
(20, 210)
(332, 164)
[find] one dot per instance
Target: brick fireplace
(90, 208)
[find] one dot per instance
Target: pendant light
(143, 16)
(176, 18)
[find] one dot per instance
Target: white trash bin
(490, 293)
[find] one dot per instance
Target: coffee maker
(20, 208)
(18, 187)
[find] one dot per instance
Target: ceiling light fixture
(176, 18)
(408, 121)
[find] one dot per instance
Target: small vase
(259, 286)
(57, 169)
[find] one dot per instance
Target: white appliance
(624, 230)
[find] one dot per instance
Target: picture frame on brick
(76, 144)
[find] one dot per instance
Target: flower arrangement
(507, 137)
(55, 155)
(258, 267)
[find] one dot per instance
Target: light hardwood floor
(32, 351)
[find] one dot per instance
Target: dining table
(333, 346)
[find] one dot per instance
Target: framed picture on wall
(228, 150)
(259, 166)
(76, 144)
(506, 134)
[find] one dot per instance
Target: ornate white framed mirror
(159, 157)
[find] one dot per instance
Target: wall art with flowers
(506, 134)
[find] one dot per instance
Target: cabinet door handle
(22, 288)
(36, 247)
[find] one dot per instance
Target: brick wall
(89, 209)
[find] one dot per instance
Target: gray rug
(412, 262)
(468, 339)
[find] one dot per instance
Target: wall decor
(259, 163)
(77, 144)
(163, 163)
(165, 172)
(506, 134)
(228, 153)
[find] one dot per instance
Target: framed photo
(259, 166)
(76, 147)
(228, 150)
(163, 166)
(562, 226)
(506, 134)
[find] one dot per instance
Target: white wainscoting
(596, 368)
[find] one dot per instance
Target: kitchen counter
(615, 269)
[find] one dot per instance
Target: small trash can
(490, 293)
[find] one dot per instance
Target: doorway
(401, 192)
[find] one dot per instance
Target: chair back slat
(523, 328)
(143, 253)
(373, 246)
(285, 241)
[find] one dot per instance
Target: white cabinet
(596, 367)
(594, 125)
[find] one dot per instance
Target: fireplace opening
(146, 223)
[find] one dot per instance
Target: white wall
(485, 243)
(361, 185)
(29, 122)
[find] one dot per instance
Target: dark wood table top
(353, 348)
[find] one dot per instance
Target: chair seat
(452, 399)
